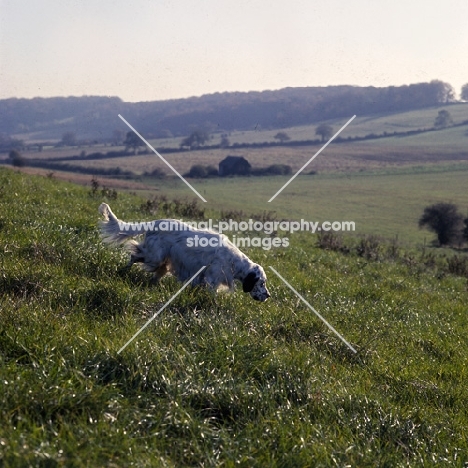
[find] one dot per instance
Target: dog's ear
(249, 282)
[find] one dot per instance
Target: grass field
(224, 381)
(382, 185)
(383, 203)
(387, 202)
(362, 125)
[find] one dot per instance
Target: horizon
(457, 93)
(145, 51)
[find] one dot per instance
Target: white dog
(174, 247)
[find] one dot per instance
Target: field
(449, 144)
(384, 203)
(223, 381)
(381, 184)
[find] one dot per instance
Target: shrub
(274, 169)
(176, 207)
(17, 159)
(279, 169)
(331, 241)
(458, 265)
(445, 220)
(156, 173)
(198, 172)
(211, 171)
(369, 247)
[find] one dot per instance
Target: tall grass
(218, 381)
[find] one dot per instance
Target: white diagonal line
(161, 309)
(312, 158)
(162, 159)
(314, 311)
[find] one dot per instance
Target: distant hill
(95, 117)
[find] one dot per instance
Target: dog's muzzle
(262, 297)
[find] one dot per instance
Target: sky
(145, 50)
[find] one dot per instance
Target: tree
(445, 220)
(445, 91)
(118, 137)
(132, 141)
(195, 139)
(325, 131)
(464, 92)
(16, 159)
(224, 141)
(198, 172)
(443, 119)
(68, 139)
(282, 137)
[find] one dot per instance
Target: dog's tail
(115, 231)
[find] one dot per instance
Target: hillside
(95, 118)
(384, 143)
(221, 381)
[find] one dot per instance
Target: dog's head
(255, 284)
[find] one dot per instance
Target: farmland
(387, 203)
(433, 146)
(382, 184)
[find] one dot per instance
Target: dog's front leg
(159, 272)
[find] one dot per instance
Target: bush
(445, 220)
(17, 159)
(198, 172)
(458, 265)
(331, 241)
(176, 207)
(274, 169)
(156, 173)
(279, 169)
(370, 248)
(211, 171)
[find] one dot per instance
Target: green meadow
(360, 126)
(221, 380)
(386, 203)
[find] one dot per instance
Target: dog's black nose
(265, 297)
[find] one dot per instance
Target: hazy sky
(144, 50)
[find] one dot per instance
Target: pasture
(223, 381)
(384, 203)
(434, 146)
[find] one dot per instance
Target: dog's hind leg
(159, 272)
(136, 256)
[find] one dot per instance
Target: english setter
(178, 251)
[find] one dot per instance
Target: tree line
(96, 117)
